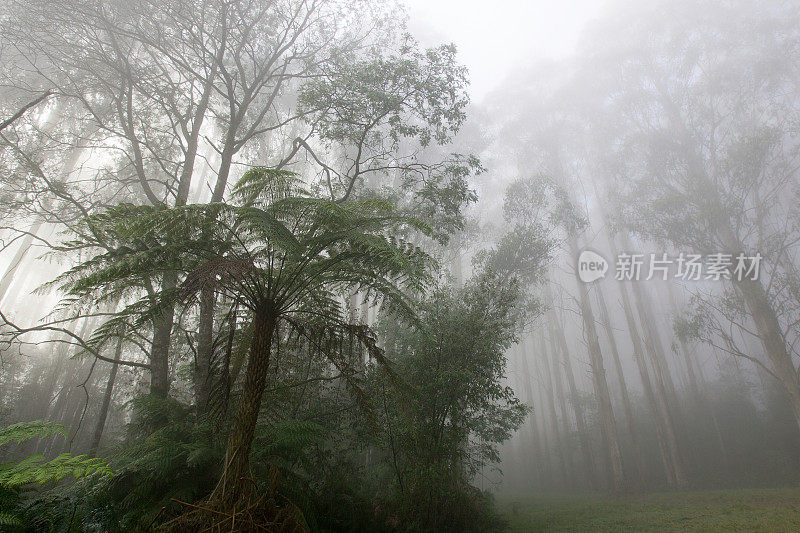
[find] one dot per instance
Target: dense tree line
(267, 267)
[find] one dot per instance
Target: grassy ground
(730, 510)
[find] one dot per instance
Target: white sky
(493, 36)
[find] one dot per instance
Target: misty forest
(275, 265)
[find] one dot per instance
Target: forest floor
(723, 510)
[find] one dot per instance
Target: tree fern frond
(23, 431)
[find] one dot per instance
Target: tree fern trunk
(229, 489)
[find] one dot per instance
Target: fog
(316, 265)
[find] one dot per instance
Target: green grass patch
(724, 510)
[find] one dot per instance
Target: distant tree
(445, 422)
(700, 139)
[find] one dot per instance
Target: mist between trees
(265, 265)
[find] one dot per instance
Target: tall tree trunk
(229, 489)
(623, 386)
(771, 335)
(652, 345)
(655, 347)
(551, 409)
(541, 426)
(647, 384)
(599, 379)
(694, 388)
(535, 434)
(159, 352)
(205, 351)
(103, 414)
(580, 419)
(205, 334)
(559, 392)
(665, 433)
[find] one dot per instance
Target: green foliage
(9, 520)
(411, 94)
(446, 424)
(273, 243)
(30, 430)
(36, 469)
(288, 438)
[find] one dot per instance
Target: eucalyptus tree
(179, 92)
(698, 116)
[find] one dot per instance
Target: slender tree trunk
(541, 427)
(652, 345)
(107, 395)
(623, 386)
(551, 409)
(536, 435)
(647, 384)
(694, 388)
(580, 419)
(229, 489)
(661, 417)
(599, 380)
(205, 352)
(205, 335)
(24, 247)
(559, 392)
(655, 347)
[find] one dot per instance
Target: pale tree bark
(623, 386)
(577, 407)
(661, 417)
(655, 346)
(538, 449)
(652, 345)
(551, 408)
(540, 419)
(562, 401)
(772, 338)
(599, 380)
